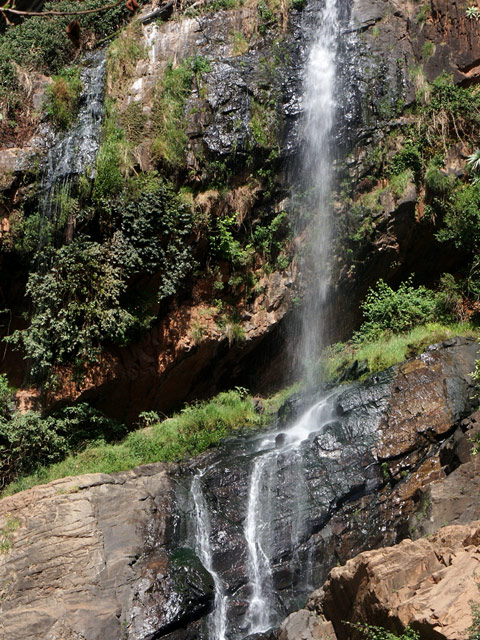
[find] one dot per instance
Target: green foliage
(408, 158)
(462, 219)
(196, 428)
(240, 43)
(122, 57)
(6, 395)
(437, 182)
(223, 243)
(62, 97)
(396, 311)
(388, 349)
(452, 111)
(79, 295)
(264, 122)
(474, 629)
(298, 5)
(428, 49)
(423, 14)
(10, 92)
(269, 238)
(170, 138)
(399, 182)
(28, 440)
(40, 44)
(372, 632)
(111, 168)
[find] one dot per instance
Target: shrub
(189, 432)
(408, 158)
(62, 97)
(28, 440)
(6, 394)
(462, 219)
(80, 294)
(387, 310)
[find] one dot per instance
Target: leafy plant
(472, 12)
(62, 97)
(372, 632)
(168, 147)
(387, 310)
(192, 430)
(80, 294)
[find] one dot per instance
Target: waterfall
(259, 510)
(74, 152)
(311, 194)
(282, 453)
(203, 547)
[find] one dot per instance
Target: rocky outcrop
(99, 556)
(187, 355)
(78, 554)
(429, 584)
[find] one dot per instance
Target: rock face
(105, 557)
(254, 63)
(428, 584)
(78, 554)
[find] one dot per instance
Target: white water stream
(276, 449)
(319, 103)
(217, 621)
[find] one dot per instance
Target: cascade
(311, 193)
(217, 621)
(277, 469)
(74, 152)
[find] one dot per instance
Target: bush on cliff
(41, 445)
(28, 440)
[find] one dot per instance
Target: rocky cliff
(111, 556)
(232, 301)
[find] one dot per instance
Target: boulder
(429, 584)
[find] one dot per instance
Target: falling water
(319, 108)
(314, 186)
(259, 513)
(74, 152)
(278, 453)
(217, 621)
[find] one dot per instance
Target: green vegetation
(264, 122)
(62, 97)
(428, 49)
(389, 349)
(11, 525)
(170, 138)
(196, 428)
(474, 629)
(28, 440)
(240, 43)
(372, 632)
(79, 293)
(397, 325)
(386, 310)
(39, 44)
